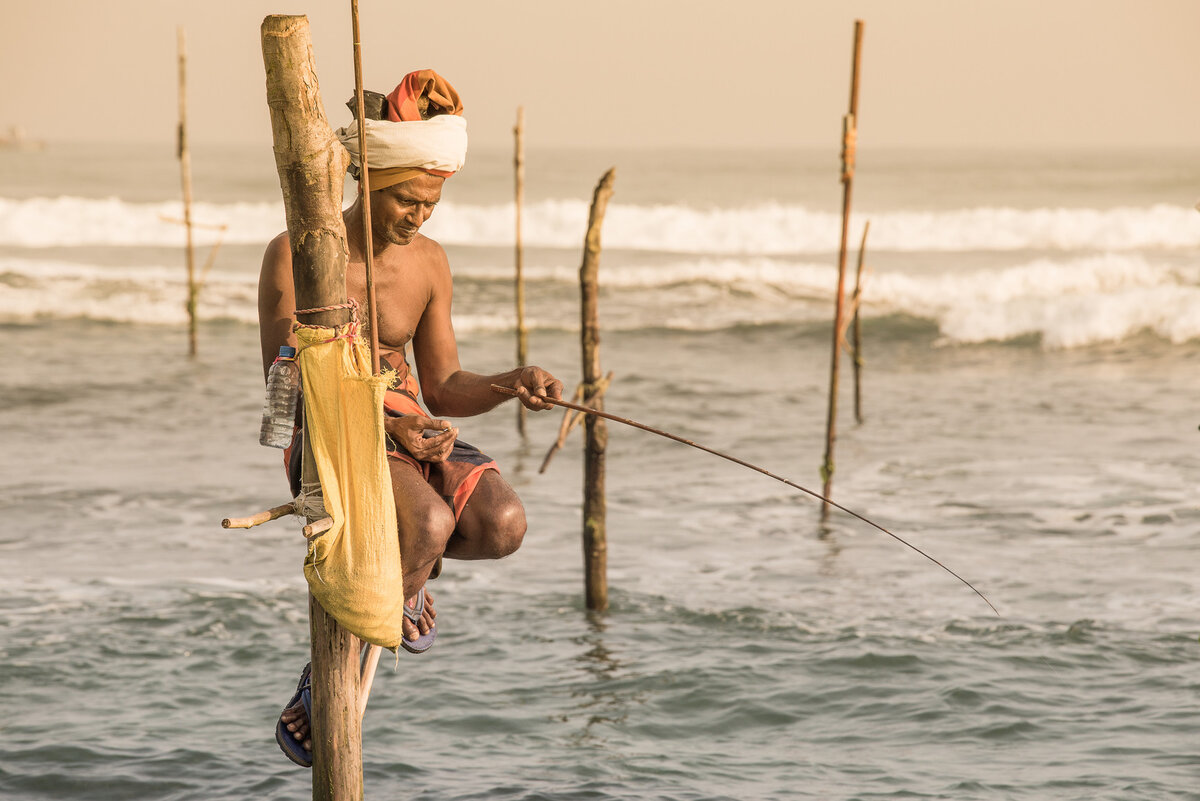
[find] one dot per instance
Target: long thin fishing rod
(754, 467)
(364, 190)
(371, 660)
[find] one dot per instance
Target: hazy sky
(622, 73)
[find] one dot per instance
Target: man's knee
(510, 528)
(432, 523)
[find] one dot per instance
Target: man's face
(399, 211)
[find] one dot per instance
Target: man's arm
(450, 390)
(276, 300)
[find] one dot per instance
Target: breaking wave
(1064, 303)
(770, 229)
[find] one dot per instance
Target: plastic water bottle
(283, 391)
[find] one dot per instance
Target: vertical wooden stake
(185, 170)
(522, 333)
(312, 167)
(595, 537)
(849, 136)
(857, 344)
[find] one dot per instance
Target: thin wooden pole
(849, 135)
(857, 335)
(364, 200)
(364, 192)
(522, 333)
(595, 537)
(185, 174)
(312, 166)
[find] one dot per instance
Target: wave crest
(768, 229)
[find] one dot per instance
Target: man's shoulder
(277, 258)
(427, 244)
(280, 245)
(429, 251)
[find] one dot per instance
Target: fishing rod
(754, 467)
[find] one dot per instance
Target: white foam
(1068, 304)
(1065, 302)
(769, 229)
(73, 222)
(35, 289)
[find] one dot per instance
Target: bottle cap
(287, 352)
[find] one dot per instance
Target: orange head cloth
(419, 96)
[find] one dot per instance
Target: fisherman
(450, 498)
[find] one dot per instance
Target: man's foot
(419, 627)
(291, 732)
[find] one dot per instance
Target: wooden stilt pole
(312, 166)
(522, 333)
(595, 537)
(857, 343)
(849, 135)
(185, 171)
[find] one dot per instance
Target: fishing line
(754, 467)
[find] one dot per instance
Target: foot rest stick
(317, 527)
(260, 518)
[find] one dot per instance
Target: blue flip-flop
(294, 749)
(425, 641)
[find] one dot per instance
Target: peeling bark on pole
(595, 538)
(312, 166)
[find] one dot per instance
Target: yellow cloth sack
(353, 569)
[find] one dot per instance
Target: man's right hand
(408, 433)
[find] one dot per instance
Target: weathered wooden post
(312, 167)
(595, 538)
(849, 137)
(522, 333)
(185, 173)
(856, 345)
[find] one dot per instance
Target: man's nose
(418, 215)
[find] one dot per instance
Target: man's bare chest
(401, 296)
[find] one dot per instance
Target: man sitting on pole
(450, 498)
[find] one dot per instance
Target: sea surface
(1031, 343)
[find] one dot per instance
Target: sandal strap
(414, 614)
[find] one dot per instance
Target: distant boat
(17, 140)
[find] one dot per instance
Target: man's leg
(425, 525)
(492, 523)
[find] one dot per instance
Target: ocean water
(1032, 337)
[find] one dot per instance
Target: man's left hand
(534, 381)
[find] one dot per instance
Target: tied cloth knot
(417, 129)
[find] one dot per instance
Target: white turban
(403, 150)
